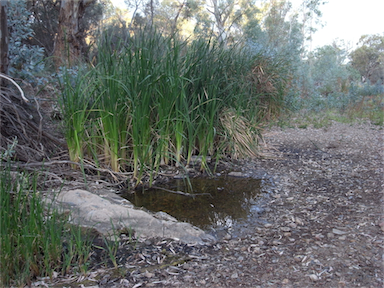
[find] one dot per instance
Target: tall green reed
(79, 96)
(161, 99)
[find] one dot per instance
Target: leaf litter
(322, 224)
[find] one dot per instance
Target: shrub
(26, 61)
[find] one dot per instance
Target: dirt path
(322, 226)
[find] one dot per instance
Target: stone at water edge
(90, 210)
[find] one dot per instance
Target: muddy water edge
(224, 205)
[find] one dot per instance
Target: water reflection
(229, 200)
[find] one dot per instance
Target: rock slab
(104, 215)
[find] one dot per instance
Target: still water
(225, 201)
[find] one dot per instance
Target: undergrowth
(36, 240)
(351, 109)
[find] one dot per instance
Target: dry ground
(322, 224)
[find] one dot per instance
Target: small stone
(257, 250)
(268, 225)
(381, 224)
(285, 229)
(319, 236)
(338, 232)
(148, 274)
(313, 277)
(234, 275)
(123, 283)
(285, 281)
(227, 236)
(299, 221)
(236, 174)
(180, 176)
(298, 258)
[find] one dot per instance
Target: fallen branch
(88, 166)
(60, 162)
(17, 86)
(180, 192)
(314, 144)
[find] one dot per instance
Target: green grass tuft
(34, 238)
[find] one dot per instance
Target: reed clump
(152, 100)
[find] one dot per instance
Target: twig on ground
(17, 86)
(180, 192)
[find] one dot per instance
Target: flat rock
(105, 214)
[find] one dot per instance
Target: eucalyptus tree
(330, 72)
(275, 23)
(282, 29)
(230, 16)
(77, 18)
(222, 10)
(172, 15)
(310, 12)
(137, 8)
(168, 15)
(278, 35)
(368, 59)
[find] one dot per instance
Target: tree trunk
(4, 38)
(219, 22)
(69, 40)
(174, 24)
(222, 15)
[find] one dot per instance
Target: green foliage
(26, 61)
(327, 82)
(329, 73)
(368, 59)
(331, 90)
(362, 102)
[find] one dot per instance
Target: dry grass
(243, 135)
